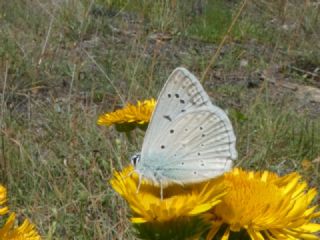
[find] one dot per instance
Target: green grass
(66, 65)
(213, 24)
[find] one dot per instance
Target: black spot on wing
(167, 117)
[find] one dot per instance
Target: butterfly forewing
(188, 138)
(182, 93)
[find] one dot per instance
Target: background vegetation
(64, 62)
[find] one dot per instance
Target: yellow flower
(3, 200)
(26, 231)
(178, 202)
(130, 114)
(266, 206)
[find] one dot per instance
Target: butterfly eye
(135, 159)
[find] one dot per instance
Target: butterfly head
(135, 159)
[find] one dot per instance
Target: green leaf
(125, 127)
(179, 229)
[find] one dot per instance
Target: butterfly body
(188, 139)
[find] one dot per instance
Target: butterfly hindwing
(197, 146)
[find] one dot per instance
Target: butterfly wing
(200, 147)
(188, 138)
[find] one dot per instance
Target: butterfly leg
(139, 184)
(161, 191)
(129, 174)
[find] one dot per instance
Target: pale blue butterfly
(188, 139)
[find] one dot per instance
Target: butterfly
(188, 139)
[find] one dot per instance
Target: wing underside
(188, 139)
